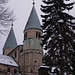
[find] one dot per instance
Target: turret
(10, 43)
(32, 50)
(32, 32)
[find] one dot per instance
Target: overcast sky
(22, 9)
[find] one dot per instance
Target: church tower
(33, 51)
(10, 43)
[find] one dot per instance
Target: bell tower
(32, 49)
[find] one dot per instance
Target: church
(28, 57)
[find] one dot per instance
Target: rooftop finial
(33, 2)
(12, 24)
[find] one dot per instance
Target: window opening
(25, 36)
(15, 54)
(38, 34)
(15, 71)
(8, 70)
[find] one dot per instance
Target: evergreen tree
(58, 35)
(73, 65)
(73, 58)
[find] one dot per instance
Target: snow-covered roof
(44, 67)
(7, 60)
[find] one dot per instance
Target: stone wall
(16, 53)
(6, 51)
(4, 69)
(32, 61)
(31, 33)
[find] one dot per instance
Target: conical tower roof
(33, 21)
(11, 40)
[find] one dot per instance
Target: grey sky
(22, 9)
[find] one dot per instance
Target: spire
(33, 21)
(12, 24)
(33, 2)
(11, 40)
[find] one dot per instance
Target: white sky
(22, 9)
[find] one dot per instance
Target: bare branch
(6, 15)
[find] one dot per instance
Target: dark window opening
(38, 34)
(8, 70)
(25, 36)
(15, 71)
(15, 54)
(35, 61)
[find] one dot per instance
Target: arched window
(8, 70)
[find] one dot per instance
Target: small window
(38, 34)
(15, 71)
(15, 54)
(8, 70)
(25, 36)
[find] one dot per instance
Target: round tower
(32, 50)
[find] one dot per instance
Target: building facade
(8, 66)
(29, 55)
